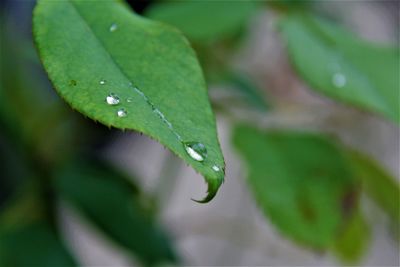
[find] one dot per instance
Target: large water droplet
(102, 82)
(113, 27)
(196, 150)
(122, 113)
(339, 79)
(112, 99)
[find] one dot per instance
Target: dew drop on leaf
(196, 150)
(112, 99)
(102, 82)
(122, 113)
(216, 168)
(339, 80)
(113, 27)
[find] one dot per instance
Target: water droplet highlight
(129, 100)
(122, 113)
(112, 99)
(196, 150)
(216, 168)
(113, 27)
(102, 82)
(339, 80)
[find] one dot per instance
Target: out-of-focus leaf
(33, 245)
(352, 242)
(377, 183)
(204, 21)
(131, 73)
(25, 238)
(249, 90)
(300, 180)
(29, 109)
(343, 66)
(107, 200)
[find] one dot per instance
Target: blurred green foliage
(115, 206)
(301, 181)
(342, 66)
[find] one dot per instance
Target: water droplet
(216, 168)
(72, 83)
(102, 82)
(113, 27)
(129, 100)
(196, 150)
(122, 113)
(112, 99)
(339, 80)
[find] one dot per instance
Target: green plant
(140, 73)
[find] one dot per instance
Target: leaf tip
(213, 186)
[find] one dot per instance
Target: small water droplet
(113, 27)
(216, 168)
(122, 113)
(129, 100)
(102, 82)
(72, 83)
(112, 99)
(196, 150)
(339, 79)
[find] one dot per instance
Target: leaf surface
(353, 240)
(342, 66)
(301, 182)
(131, 73)
(113, 205)
(377, 183)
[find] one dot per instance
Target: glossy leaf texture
(377, 183)
(113, 205)
(204, 21)
(131, 73)
(343, 66)
(301, 181)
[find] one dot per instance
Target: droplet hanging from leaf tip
(196, 150)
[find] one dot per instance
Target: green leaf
(300, 180)
(352, 242)
(250, 92)
(377, 183)
(109, 201)
(342, 66)
(147, 70)
(33, 245)
(204, 21)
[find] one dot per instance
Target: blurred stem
(167, 181)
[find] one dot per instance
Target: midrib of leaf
(138, 91)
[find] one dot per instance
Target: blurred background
(76, 193)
